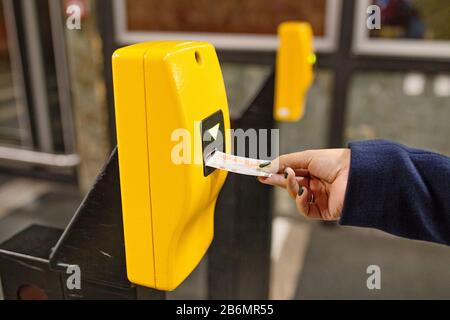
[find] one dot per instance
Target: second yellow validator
(170, 104)
(294, 69)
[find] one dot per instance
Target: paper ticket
(241, 165)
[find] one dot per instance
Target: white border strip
(227, 41)
(362, 44)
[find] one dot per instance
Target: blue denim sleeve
(399, 190)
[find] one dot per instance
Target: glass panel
(413, 19)
(224, 16)
(14, 128)
(311, 132)
(243, 81)
(380, 108)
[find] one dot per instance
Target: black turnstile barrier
(93, 241)
(24, 265)
(34, 262)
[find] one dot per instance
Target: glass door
(36, 123)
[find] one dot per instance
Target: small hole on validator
(198, 58)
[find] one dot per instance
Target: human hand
(315, 179)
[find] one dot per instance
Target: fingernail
(265, 164)
(300, 191)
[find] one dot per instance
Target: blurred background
(57, 117)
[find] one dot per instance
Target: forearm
(398, 190)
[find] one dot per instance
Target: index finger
(299, 161)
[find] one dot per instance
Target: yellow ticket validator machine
(170, 103)
(294, 70)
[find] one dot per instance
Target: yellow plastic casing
(294, 70)
(168, 208)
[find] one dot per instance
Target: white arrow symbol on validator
(214, 131)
